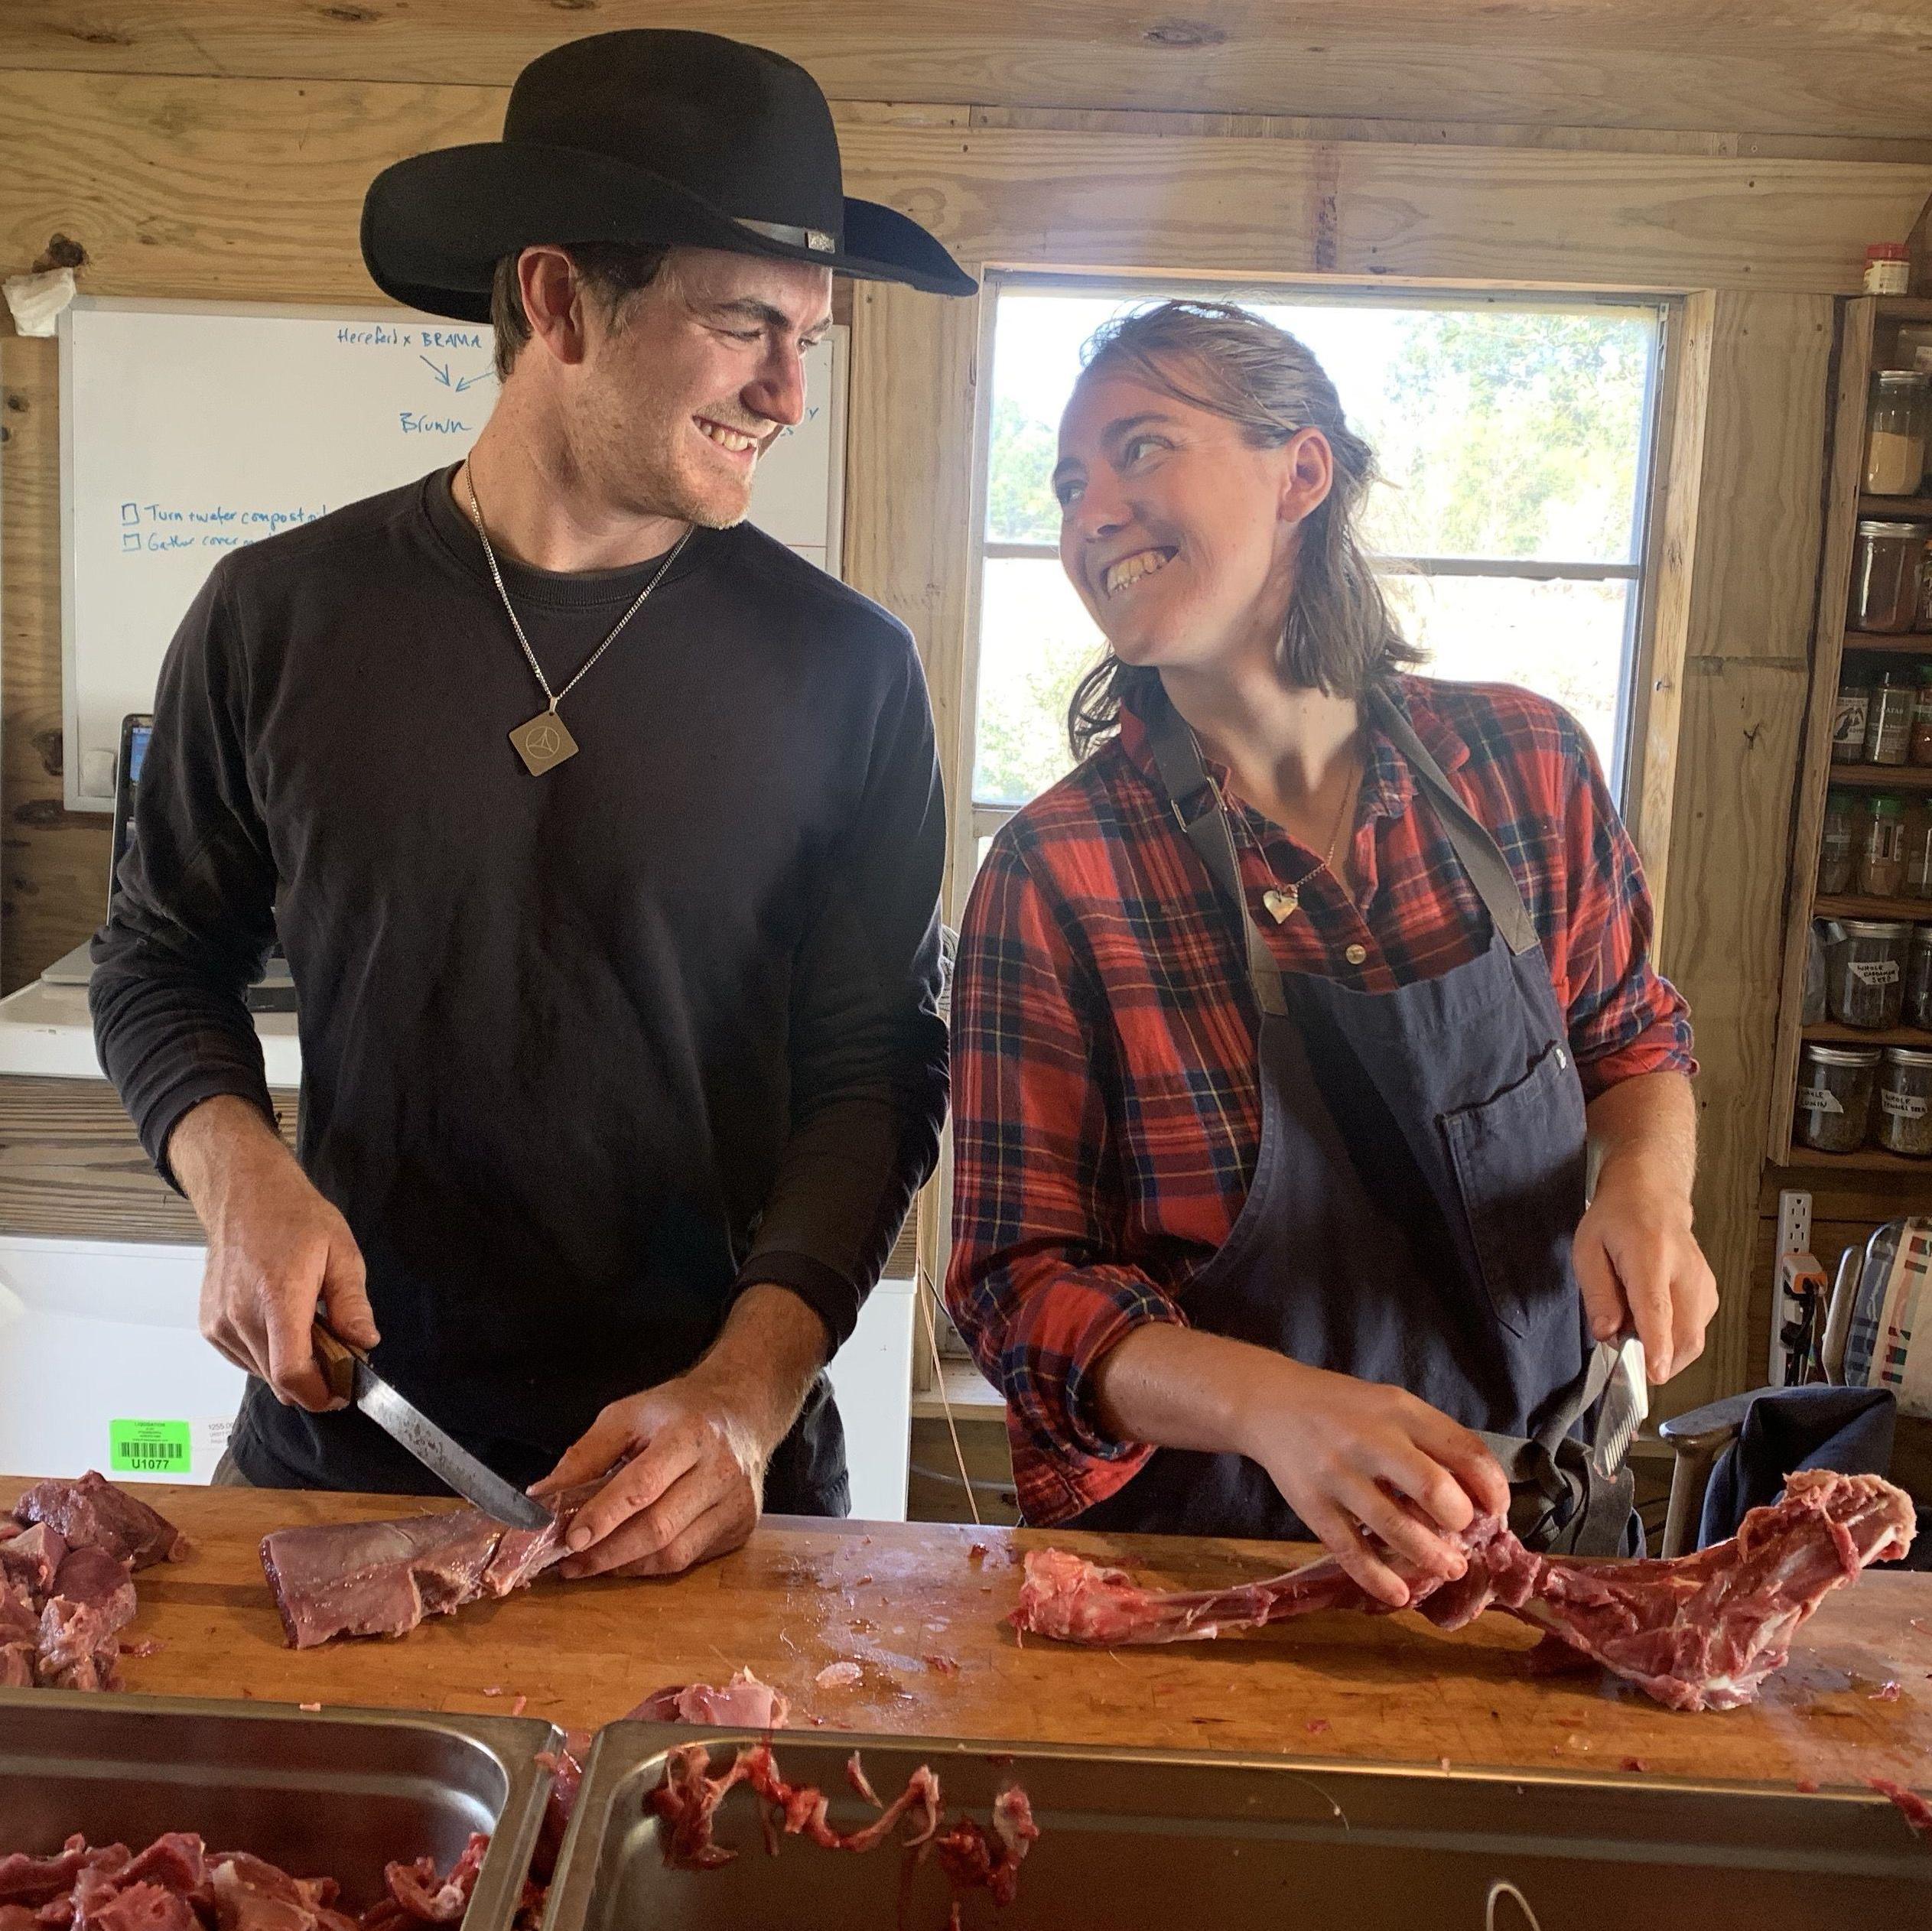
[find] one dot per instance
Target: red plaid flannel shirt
(1106, 1103)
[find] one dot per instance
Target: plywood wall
(1740, 163)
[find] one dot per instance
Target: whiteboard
(190, 428)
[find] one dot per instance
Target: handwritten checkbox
(131, 512)
(130, 539)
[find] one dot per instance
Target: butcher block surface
(921, 1608)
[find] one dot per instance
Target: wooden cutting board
(921, 1608)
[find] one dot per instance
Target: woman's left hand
(1641, 1267)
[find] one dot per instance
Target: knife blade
(350, 1376)
(1626, 1401)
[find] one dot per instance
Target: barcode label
(149, 1448)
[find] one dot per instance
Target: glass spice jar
(1813, 1010)
(1865, 972)
(1895, 431)
(1848, 717)
(1888, 720)
(1924, 621)
(1838, 852)
(1918, 979)
(1918, 850)
(1920, 749)
(1886, 560)
(1835, 1087)
(1881, 858)
(1905, 1101)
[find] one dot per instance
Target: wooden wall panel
(1795, 66)
(1752, 586)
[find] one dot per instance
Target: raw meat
(177, 1884)
(838, 1676)
(382, 1579)
(1912, 1807)
(28, 1560)
(93, 1514)
(1700, 1632)
(744, 1703)
(686, 1802)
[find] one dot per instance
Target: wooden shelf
(1829, 1033)
(1893, 643)
(1899, 509)
(1867, 1160)
(1849, 905)
(1903, 308)
(1884, 777)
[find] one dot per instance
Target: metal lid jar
(1865, 972)
(1905, 1102)
(1835, 1089)
(1886, 557)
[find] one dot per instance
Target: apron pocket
(1519, 1159)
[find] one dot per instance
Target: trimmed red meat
(382, 1579)
(30, 1559)
(1701, 1631)
(93, 1514)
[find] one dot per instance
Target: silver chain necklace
(544, 742)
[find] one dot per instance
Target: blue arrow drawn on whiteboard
(441, 375)
(470, 382)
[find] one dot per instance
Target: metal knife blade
(351, 1376)
(1626, 1401)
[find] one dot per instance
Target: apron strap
(1482, 857)
(1561, 1499)
(1195, 800)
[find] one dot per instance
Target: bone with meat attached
(1700, 1631)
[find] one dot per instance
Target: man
(603, 835)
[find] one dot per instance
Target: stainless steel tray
(338, 1793)
(1149, 1841)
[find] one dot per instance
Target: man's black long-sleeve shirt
(583, 1053)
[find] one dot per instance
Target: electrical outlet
(1788, 1311)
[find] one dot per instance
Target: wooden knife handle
(338, 1362)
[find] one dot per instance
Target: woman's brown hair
(1339, 636)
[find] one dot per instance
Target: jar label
(1818, 1099)
(1905, 1106)
(1875, 972)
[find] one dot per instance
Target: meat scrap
(178, 1884)
(1912, 1807)
(66, 1592)
(1700, 1631)
(744, 1703)
(382, 1579)
(973, 1857)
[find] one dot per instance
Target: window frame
(972, 821)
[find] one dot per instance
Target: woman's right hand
(1356, 1459)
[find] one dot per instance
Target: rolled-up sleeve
(1037, 1201)
(1624, 1018)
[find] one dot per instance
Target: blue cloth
(1783, 1430)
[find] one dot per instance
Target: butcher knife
(1626, 1401)
(351, 1377)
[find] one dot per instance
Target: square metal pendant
(543, 743)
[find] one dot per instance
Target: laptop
(274, 992)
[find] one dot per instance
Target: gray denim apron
(1419, 1181)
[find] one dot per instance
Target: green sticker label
(149, 1448)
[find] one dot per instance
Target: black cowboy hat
(648, 136)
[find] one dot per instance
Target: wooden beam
(1784, 66)
(252, 189)
(1752, 585)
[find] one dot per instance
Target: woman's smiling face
(1177, 532)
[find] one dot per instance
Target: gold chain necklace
(1283, 901)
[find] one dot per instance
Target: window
(1514, 438)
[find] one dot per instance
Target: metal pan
(1152, 1841)
(337, 1793)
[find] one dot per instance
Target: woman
(1269, 1194)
